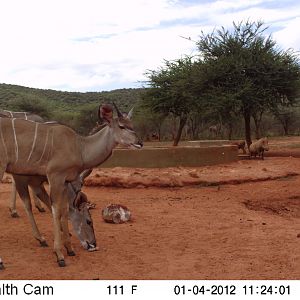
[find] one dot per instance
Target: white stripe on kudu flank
(2, 139)
(46, 141)
(15, 137)
(34, 140)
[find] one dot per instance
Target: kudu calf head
(124, 133)
(79, 213)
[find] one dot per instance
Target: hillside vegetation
(240, 86)
(78, 110)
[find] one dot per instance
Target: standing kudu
(31, 117)
(215, 130)
(79, 214)
(78, 206)
(57, 152)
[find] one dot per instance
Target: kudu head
(79, 213)
(124, 133)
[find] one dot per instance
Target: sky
(95, 45)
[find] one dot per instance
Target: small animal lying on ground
(259, 147)
(116, 213)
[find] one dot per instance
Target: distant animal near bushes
(215, 130)
(241, 145)
(259, 147)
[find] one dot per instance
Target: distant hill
(66, 101)
(77, 110)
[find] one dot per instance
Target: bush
(33, 105)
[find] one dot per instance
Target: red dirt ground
(243, 226)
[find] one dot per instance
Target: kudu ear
(80, 200)
(129, 115)
(105, 112)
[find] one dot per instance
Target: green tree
(286, 116)
(247, 72)
(87, 118)
(171, 91)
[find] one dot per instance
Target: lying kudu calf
(60, 154)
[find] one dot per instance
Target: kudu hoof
(43, 244)
(41, 209)
(1, 266)
(71, 253)
(14, 214)
(61, 263)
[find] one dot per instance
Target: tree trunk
(247, 119)
(182, 122)
(158, 130)
(285, 128)
(257, 132)
(257, 122)
(230, 129)
(257, 128)
(194, 125)
(174, 125)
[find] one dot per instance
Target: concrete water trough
(163, 157)
(196, 143)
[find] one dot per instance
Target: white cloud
(289, 35)
(89, 45)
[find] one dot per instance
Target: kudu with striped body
(57, 152)
(12, 207)
(31, 117)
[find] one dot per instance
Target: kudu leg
(65, 229)
(58, 195)
(40, 192)
(24, 195)
(37, 203)
(13, 198)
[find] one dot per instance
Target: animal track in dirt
(285, 207)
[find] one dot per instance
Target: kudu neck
(98, 147)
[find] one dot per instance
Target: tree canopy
(238, 72)
(172, 91)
